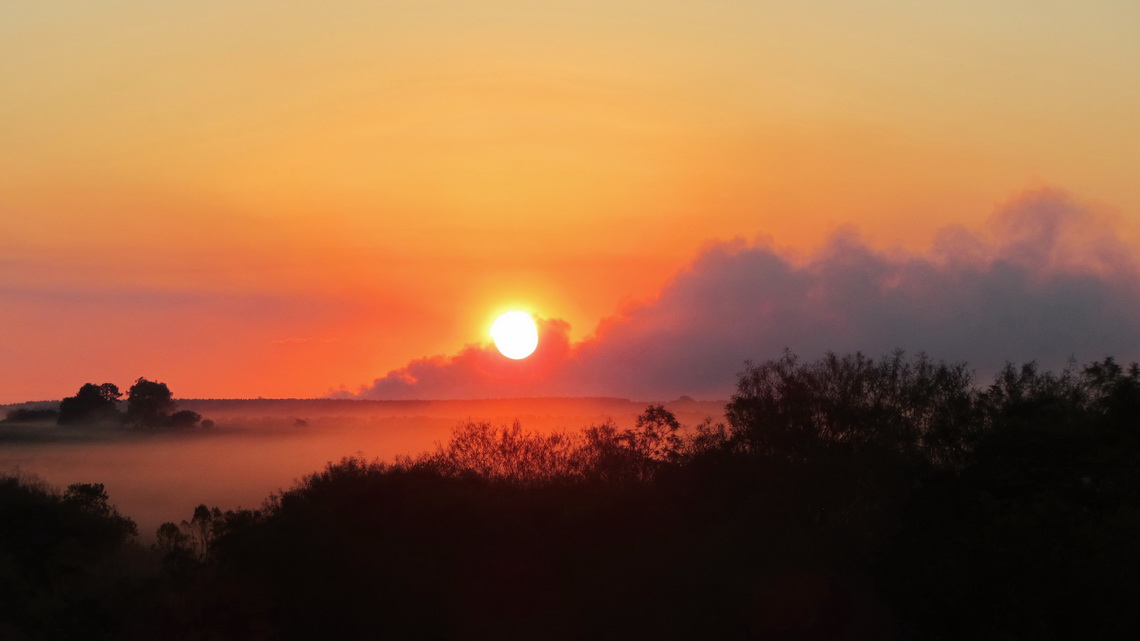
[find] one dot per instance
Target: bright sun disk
(515, 335)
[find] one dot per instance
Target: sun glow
(515, 335)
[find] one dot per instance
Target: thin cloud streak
(1046, 281)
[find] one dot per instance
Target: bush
(183, 418)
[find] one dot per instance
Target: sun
(515, 335)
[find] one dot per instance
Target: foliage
(149, 403)
(503, 453)
(845, 498)
(602, 452)
(60, 559)
(93, 403)
(195, 538)
(183, 418)
(1034, 536)
(917, 409)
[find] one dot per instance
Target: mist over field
(262, 446)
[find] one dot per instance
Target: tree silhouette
(656, 434)
(635, 454)
(916, 409)
(91, 404)
(149, 403)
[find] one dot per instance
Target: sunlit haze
(288, 199)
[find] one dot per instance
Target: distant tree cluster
(149, 404)
(844, 498)
(31, 415)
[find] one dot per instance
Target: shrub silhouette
(184, 418)
(502, 453)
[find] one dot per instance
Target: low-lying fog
(258, 447)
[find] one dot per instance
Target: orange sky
(274, 199)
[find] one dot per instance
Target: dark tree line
(844, 498)
(30, 415)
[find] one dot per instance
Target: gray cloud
(1046, 281)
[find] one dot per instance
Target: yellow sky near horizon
(396, 172)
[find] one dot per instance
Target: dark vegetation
(65, 566)
(845, 498)
(149, 404)
(31, 415)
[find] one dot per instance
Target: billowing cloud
(1046, 281)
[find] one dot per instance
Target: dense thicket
(844, 498)
(64, 566)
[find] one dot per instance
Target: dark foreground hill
(843, 499)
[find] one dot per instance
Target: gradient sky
(276, 199)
